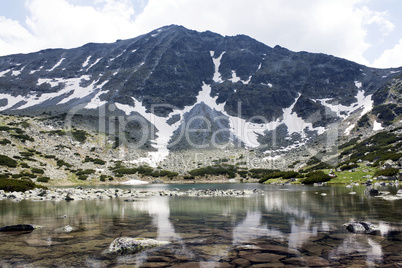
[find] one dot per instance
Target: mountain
(175, 89)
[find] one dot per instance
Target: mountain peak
(158, 76)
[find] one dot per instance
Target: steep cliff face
(240, 91)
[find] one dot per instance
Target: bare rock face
(129, 245)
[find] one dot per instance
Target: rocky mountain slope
(182, 91)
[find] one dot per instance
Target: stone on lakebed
(361, 227)
(126, 245)
(19, 227)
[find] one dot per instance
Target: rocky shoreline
(129, 195)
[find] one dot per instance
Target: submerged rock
(362, 227)
(371, 191)
(127, 245)
(19, 227)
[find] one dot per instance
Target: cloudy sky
(365, 31)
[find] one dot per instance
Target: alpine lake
(277, 226)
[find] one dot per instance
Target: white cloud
(337, 27)
(379, 18)
(390, 57)
(333, 26)
(57, 23)
(13, 37)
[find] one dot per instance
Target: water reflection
(210, 230)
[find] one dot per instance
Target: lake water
(282, 226)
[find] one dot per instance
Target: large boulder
(126, 245)
(19, 227)
(371, 191)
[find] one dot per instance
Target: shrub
(85, 172)
(102, 177)
(315, 177)
(5, 142)
(164, 173)
(7, 161)
(122, 171)
(82, 177)
(37, 170)
(279, 174)
(61, 163)
(23, 137)
(227, 170)
(11, 185)
(96, 161)
(4, 176)
(387, 172)
(349, 167)
(261, 172)
(79, 135)
(43, 179)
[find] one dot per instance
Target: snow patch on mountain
(295, 123)
(349, 129)
(56, 65)
(18, 72)
(93, 64)
(217, 62)
(95, 102)
(86, 62)
(78, 92)
(3, 73)
(11, 100)
(53, 82)
(363, 102)
(377, 126)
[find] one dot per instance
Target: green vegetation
(82, 177)
(96, 161)
(7, 161)
(379, 147)
(22, 137)
(261, 172)
(77, 134)
(85, 172)
(11, 185)
(387, 172)
(61, 163)
(43, 179)
(316, 177)
(349, 166)
(145, 171)
(37, 170)
(224, 169)
(387, 112)
(364, 121)
(285, 175)
(4, 142)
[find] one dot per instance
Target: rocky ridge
(146, 91)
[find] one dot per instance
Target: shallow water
(284, 226)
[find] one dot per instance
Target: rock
(19, 227)
(371, 191)
(127, 245)
(361, 227)
(68, 229)
(68, 198)
(263, 258)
